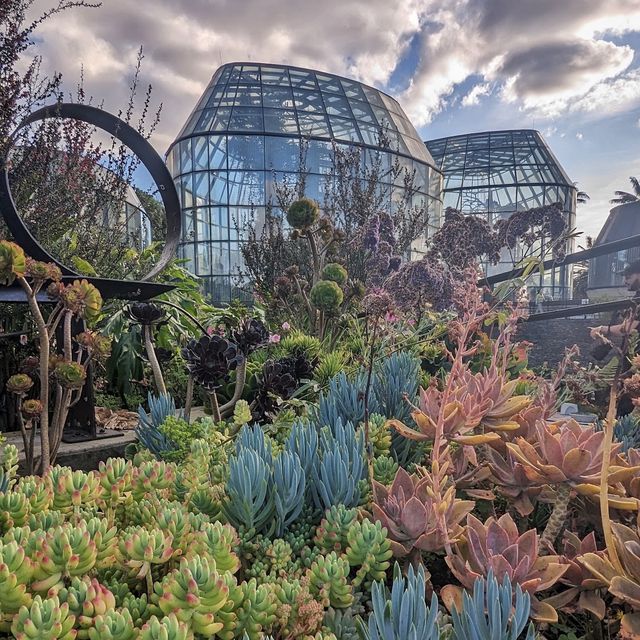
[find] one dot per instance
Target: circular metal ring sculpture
(128, 136)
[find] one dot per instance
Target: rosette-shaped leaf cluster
(8, 466)
(335, 273)
(403, 614)
(493, 611)
(82, 299)
(623, 584)
(303, 213)
(333, 531)
(194, 593)
(257, 610)
(40, 272)
(485, 399)
(145, 313)
(167, 628)
(139, 608)
(116, 477)
(211, 359)
(113, 625)
(329, 581)
(415, 519)
(69, 375)
(44, 620)
(152, 477)
(567, 452)
(64, 552)
(511, 477)
(31, 408)
(14, 509)
(86, 599)
(326, 295)
(73, 489)
(12, 262)
(105, 538)
(498, 546)
(141, 548)
(16, 570)
(97, 345)
(250, 335)
(218, 541)
(38, 491)
(19, 383)
(369, 550)
(584, 589)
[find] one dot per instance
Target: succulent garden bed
(366, 470)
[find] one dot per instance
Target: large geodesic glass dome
(244, 137)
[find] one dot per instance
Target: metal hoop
(128, 136)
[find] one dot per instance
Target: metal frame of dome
(496, 173)
(237, 144)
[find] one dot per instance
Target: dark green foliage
(326, 295)
(335, 272)
(303, 213)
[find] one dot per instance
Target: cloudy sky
(570, 68)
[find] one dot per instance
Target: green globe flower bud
(326, 296)
(12, 262)
(19, 383)
(335, 272)
(303, 213)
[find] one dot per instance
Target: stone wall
(550, 337)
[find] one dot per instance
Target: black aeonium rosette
(145, 313)
(211, 359)
(250, 335)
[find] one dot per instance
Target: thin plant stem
(367, 391)
(215, 407)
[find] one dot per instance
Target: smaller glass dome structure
(497, 173)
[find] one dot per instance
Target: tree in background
(625, 197)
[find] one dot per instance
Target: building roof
(256, 98)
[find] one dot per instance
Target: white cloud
(477, 92)
(579, 135)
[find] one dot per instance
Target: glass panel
(530, 197)
(353, 89)
(373, 96)
(503, 199)
(219, 258)
(228, 97)
(275, 75)
(201, 188)
(219, 223)
(506, 175)
(203, 226)
(372, 134)
(216, 96)
(390, 103)
(308, 100)
(186, 164)
(503, 156)
(277, 97)
(451, 199)
(235, 258)
(250, 73)
(245, 152)
(362, 112)
(221, 119)
(200, 153)
(282, 154)
(203, 258)
(218, 187)
(217, 152)
(337, 106)
(319, 157)
(188, 225)
(302, 79)
(247, 96)
(344, 129)
(188, 253)
(246, 187)
(329, 83)
(186, 191)
(206, 119)
(313, 124)
(246, 119)
(280, 121)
